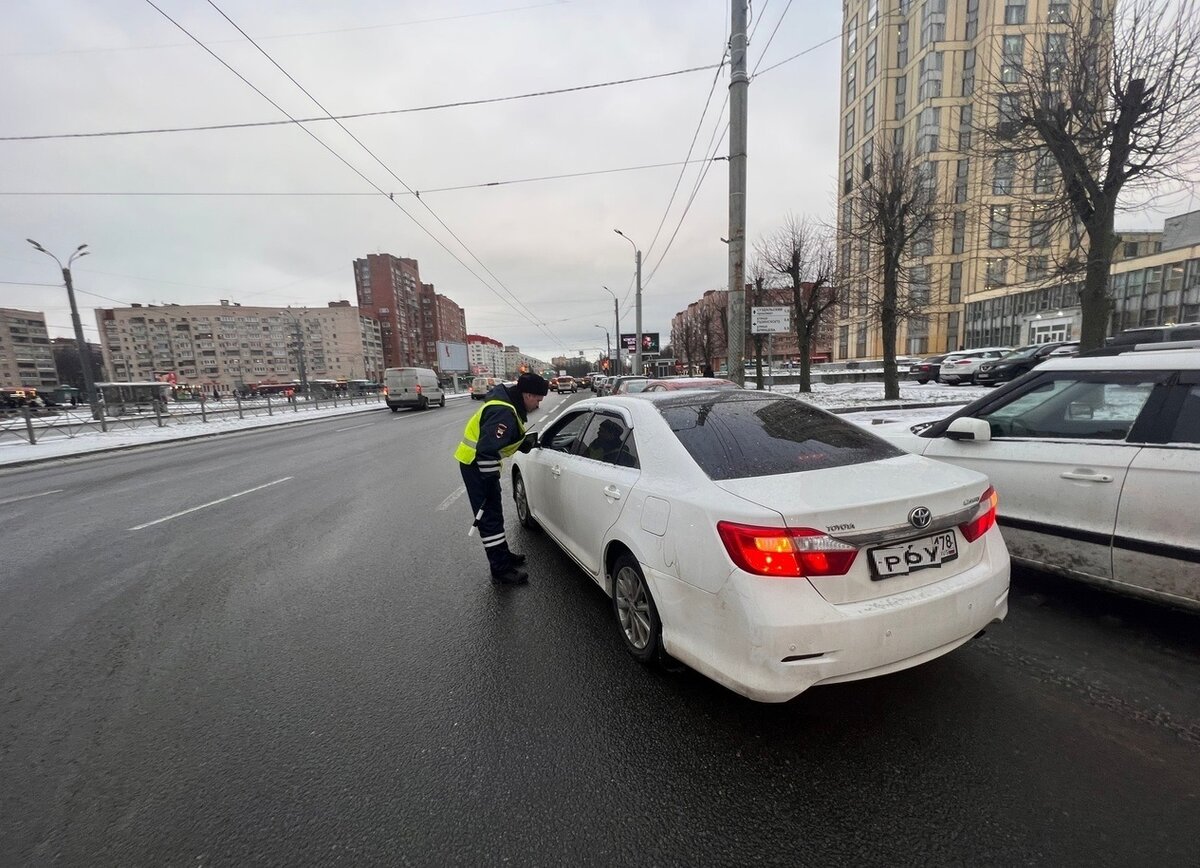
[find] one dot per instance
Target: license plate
(917, 554)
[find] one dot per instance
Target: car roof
(1152, 360)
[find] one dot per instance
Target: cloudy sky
(74, 66)
(268, 215)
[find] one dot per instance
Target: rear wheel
(395, 409)
(443, 401)
(637, 616)
(521, 499)
(423, 403)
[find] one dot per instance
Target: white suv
(959, 368)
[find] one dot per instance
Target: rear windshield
(732, 435)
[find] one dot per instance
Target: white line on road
(212, 503)
(30, 496)
(352, 427)
(454, 495)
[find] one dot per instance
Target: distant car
(1020, 361)
(628, 385)
(1096, 460)
(480, 386)
(766, 543)
(584, 382)
(1119, 343)
(674, 384)
(924, 370)
(565, 384)
(958, 369)
(598, 381)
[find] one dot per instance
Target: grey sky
(91, 65)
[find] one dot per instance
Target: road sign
(770, 320)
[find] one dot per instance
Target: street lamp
(637, 350)
(85, 360)
(607, 342)
(299, 336)
(616, 359)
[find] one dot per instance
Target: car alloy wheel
(521, 499)
(636, 613)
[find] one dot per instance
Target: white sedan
(765, 543)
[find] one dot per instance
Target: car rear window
(732, 435)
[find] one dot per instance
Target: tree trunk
(1095, 300)
(804, 338)
(891, 382)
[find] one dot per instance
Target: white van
(417, 388)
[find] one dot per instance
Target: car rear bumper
(772, 639)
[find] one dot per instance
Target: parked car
(564, 384)
(958, 369)
(480, 386)
(415, 388)
(598, 381)
(1123, 341)
(1096, 460)
(674, 384)
(628, 385)
(1022, 360)
(924, 370)
(766, 543)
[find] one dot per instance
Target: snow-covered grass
(838, 396)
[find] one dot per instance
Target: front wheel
(394, 409)
(637, 616)
(521, 499)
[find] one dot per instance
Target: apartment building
(389, 291)
(441, 320)
(517, 362)
(919, 75)
(228, 347)
(486, 356)
(26, 358)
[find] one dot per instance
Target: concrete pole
(615, 358)
(85, 354)
(739, 87)
(637, 351)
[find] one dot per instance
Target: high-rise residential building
(389, 290)
(486, 356)
(441, 320)
(66, 360)
(26, 359)
(920, 75)
(229, 347)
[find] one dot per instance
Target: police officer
(496, 431)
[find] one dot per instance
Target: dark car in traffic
(1020, 361)
(926, 369)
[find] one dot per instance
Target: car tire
(442, 403)
(521, 499)
(394, 409)
(635, 611)
(922, 382)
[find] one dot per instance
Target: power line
(26, 283)
(389, 170)
(771, 38)
(352, 116)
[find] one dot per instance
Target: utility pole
(637, 352)
(85, 354)
(616, 357)
(299, 335)
(739, 88)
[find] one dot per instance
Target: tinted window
(564, 434)
(607, 439)
(733, 436)
(1187, 424)
(1092, 406)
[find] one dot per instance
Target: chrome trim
(897, 532)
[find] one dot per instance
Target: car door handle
(613, 492)
(1086, 476)
(556, 471)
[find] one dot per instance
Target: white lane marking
(30, 496)
(454, 495)
(352, 427)
(212, 503)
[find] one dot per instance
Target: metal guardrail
(31, 425)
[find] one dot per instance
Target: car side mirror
(967, 428)
(531, 440)
(1077, 410)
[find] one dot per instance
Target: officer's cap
(532, 384)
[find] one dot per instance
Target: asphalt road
(312, 668)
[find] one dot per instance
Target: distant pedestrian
(495, 432)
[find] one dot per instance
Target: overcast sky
(73, 66)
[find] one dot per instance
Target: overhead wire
(771, 38)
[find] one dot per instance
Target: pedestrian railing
(32, 425)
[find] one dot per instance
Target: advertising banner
(649, 342)
(452, 357)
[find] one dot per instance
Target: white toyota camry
(763, 542)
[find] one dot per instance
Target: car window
(1093, 406)
(733, 435)
(608, 440)
(563, 434)
(1187, 424)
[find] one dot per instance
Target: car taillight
(984, 518)
(418, 390)
(385, 390)
(781, 551)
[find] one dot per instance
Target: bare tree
(804, 255)
(1102, 103)
(892, 216)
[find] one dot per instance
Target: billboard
(452, 357)
(649, 342)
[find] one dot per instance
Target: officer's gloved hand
(527, 443)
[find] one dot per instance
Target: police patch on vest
(500, 429)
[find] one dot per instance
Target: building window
(960, 232)
(918, 335)
(1014, 12)
(933, 21)
(868, 112)
(1006, 115)
(902, 45)
(1044, 168)
(998, 224)
(918, 285)
(922, 243)
(868, 158)
(997, 271)
(872, 15)
(898, 139)
(901, 90)
(956, 269)
(843, 341)
(1131, 249)
(1058, 12)
(852, 36)
(872, 65)
(860, 340)
(1039, 233)
(1013, 58)
(1056, 56)
(965, 114)
(847, 175)
(1002, 175)
(960, 182)
(968, 73)
(928, 128)
(1036, 268)
(930, 83)
(972, 19)
(849, 138)
(851, 83)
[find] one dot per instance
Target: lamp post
(299, 336)
(637, 259)
(85, 356)
(607, 343)
(616, 359)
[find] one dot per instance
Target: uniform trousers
(484, 492)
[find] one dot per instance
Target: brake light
(789, 552)
(418, 390)
(385, 390)
(984, 518)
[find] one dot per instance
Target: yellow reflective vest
(470, 440)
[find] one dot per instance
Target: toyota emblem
(920, 517)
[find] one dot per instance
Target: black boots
(512, 576)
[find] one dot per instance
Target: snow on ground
(837, 396)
